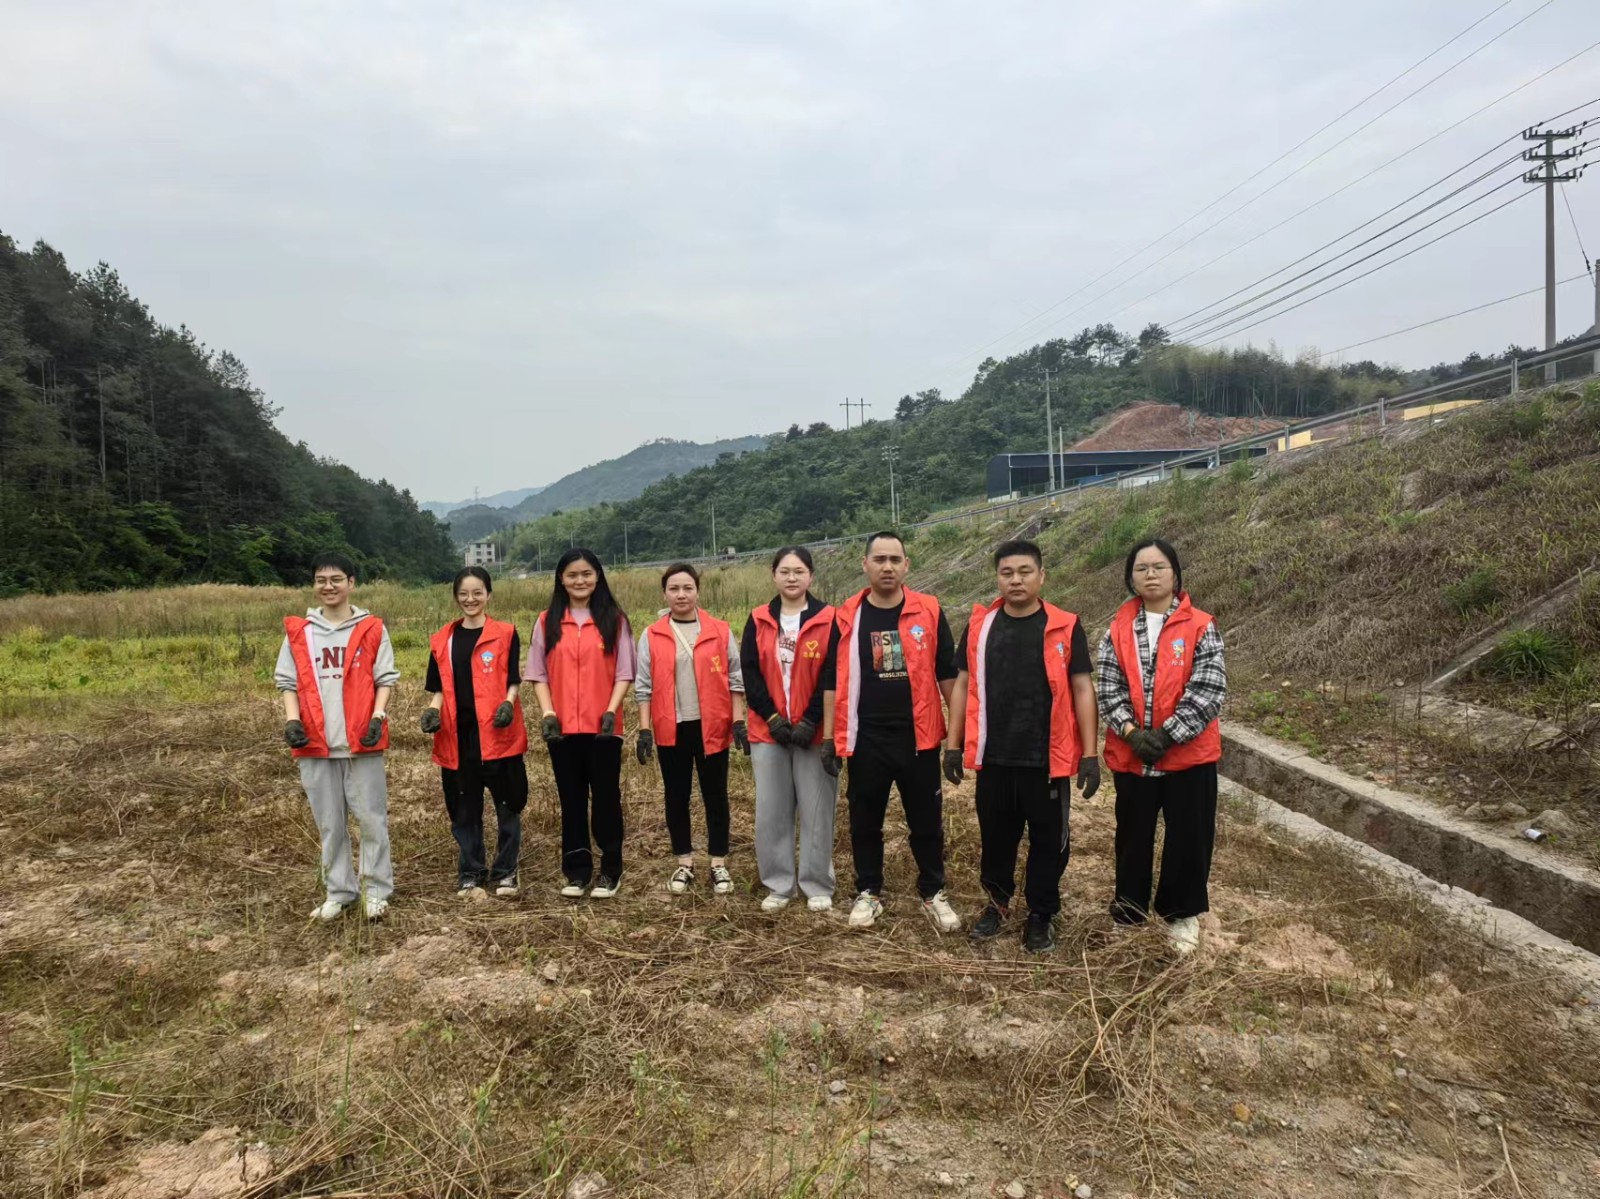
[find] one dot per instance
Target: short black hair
(798, 551)
(1167, 552)
(889, 533)
(1016, 549)
(338, 561)
(472, 572)
(679, 568)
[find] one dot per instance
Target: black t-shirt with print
(1019, 689)
(885, 698)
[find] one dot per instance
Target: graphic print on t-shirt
(888, 655)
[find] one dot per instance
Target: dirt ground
(172, 1025)
(1167, 427)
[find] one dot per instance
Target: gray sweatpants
(791, 782)
(339, 788)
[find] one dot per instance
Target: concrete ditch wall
(1560, 897)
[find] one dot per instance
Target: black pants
(1187, 801)
(588, 770)
(876, 765)
(507, 782)
(1009, 799)
(679, 764)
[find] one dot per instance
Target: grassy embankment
(158, 981)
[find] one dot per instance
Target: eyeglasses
(1151, 568)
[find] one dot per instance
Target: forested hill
(818, 481)
(131, 454)
(614, 479)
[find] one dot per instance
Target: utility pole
(624, 543)
(891, 455)
(1595, 271)
(860, 406)
(714, 528)
(1049, 436)
(1549, 177)
(847, 405)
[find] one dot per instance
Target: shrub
(1532, 654)
(1506, 421)
(1479, 590)
(945, 534)
(1118, 539)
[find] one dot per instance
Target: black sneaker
(990, 923)
(1040, 935)
(605, 887)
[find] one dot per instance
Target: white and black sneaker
(507, 887)
(682, 879)
(572, 889)
(721, 881)
(605, 887)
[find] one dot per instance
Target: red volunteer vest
(491, 667)
(581, 673)
(1065, 749)
(1174, 665)
(810, 651)
(360, 688)
(919, 632)
(710, 680)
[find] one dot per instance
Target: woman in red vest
(580, 661)
(691, 706)
(478, 735)
(784, 648)
(1161, 681)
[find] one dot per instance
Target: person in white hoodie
(335, 671)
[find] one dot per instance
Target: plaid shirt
(1200, 703)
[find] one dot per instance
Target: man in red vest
(1024, 709)
(889, 672)
(335, 671)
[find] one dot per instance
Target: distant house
(479, 553)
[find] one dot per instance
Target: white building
(479, 553)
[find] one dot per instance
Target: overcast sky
(480, 244)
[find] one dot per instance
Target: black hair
(1167, 552)
(472, 572)
(679, 568)
(608, 617)
(1016, 549)
(798, 551)
(889, 533)
(338, 561)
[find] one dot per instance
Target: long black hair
(608, 617)
(1167, 551)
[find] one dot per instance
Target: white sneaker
(471, 892)
(721, 881)
(375, 909)
(820, 903)
(774, 902)
(329, 910)
(507, 888)
(682, 879)
(866, 910)
(1185, 934)
(605, 887)
(942, 914)
(572, 890)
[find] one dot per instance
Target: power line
(1373, 271)
(1297, 170)
(1568, 202)
(1243, 182)
(1439, 320)
(1184, 324)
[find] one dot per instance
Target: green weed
(1478, 591)
(1528, 654)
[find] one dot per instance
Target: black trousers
(1011, 798)
(507, 783)
(877, 764)
(1187, 801)
(679, 764)
(588, 770)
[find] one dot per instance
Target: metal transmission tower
(891, 455)
(1549, 176)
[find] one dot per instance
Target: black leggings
(588, 770)
(1187, 801)
(679, 764)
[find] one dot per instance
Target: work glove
(782, 731)
(741, 737)
(802, 732)
(832, 763)
(503, 715)
(608, 724)
(954, 769)
(646, 747)
(431, 720)
(1089, 776)
(1153, 745)
(295, 734)
(374, 733)
(550, 727)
